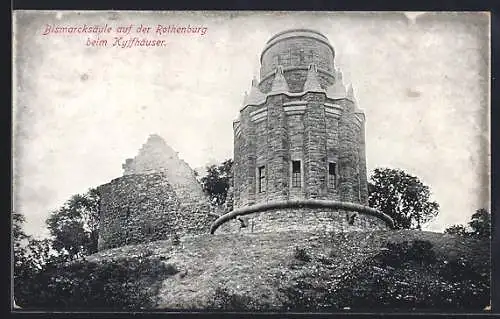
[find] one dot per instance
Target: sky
(79, 111)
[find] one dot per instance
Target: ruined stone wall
(143, 208)
(157, 156)
(302, 219)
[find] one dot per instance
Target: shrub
(226, 300)
(297, 296)
(408, 275)
(460, 269)
(301, 254)
(176, 240)
(128, 283)
(419, 251)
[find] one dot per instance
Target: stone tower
(300, 134)
(299, 145)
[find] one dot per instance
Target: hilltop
(301, 271)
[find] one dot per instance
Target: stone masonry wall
(144, 207)
(277, 148)
(362, 167)
(302, 219)
(332, 150)
(237, 170)
(261, 150)
(315, 138)
(296, 138)
(297, 127)
(315, 166)
(297, 51)
(247, 161)
(295, 79)
(348, 154)
(157, 156)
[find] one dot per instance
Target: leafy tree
(458, 230)
(30, 256)
(481, 224)
(19, 239)
(217, 182)
(18, 233)
(402, 196)
(74, 226)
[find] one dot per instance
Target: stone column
(315, 154)
(348, 154)
(278, 149)
(247, 159)
(237, 164)
(362, 164)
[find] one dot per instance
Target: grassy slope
(313, 272)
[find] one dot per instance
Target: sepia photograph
(251, 161)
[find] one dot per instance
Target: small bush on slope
(301, 254)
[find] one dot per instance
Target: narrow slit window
(262, 179)
(332, 174)
(296, 174)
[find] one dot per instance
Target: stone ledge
(307, 203)
(296, 68)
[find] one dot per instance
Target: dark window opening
(262, 179)
(296, 174)
(332, 175)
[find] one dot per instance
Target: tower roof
(279, 83)
(312, 82)
(337, 90)
(350, 94)
(255, 97)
